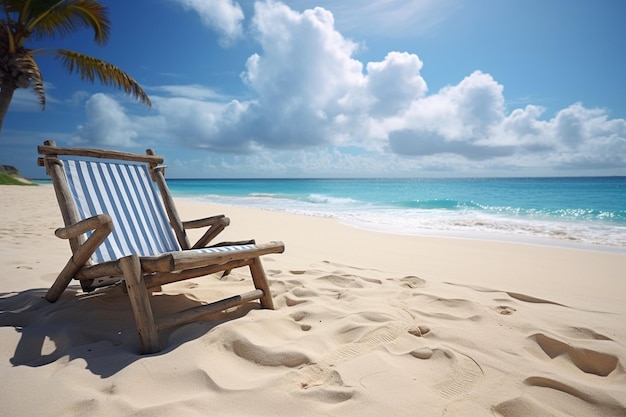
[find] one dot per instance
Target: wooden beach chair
(122, 228)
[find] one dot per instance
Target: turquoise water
(583, 212)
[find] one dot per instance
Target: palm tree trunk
(7, 88)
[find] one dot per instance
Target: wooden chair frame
(142, 273)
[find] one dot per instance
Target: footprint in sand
(587, 360)
(459, 372)
(418, 331)
(505, 310)
(412, 282)
(322, 384)
(299, 295)
(321, 381)
(465, 375)
(267, 355)
(341, 281)
(299, 316)
(422, 353)
(291, 301)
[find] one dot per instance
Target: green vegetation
(6, 179)
(9, 175)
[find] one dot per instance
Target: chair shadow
(98, 327)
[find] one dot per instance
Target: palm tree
(26, 20)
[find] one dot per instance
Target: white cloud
(313, 99)
(223, 16)
(587, 138)
(395, 83)
(26, 100)
(302, 76)
(78, 98)
(470, 120)
(107, 124)
(197, 123)
(194, 91)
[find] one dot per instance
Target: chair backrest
(126, 192)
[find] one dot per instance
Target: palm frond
(49, 18)
(36, 79)
(91, 68)
(11, 6)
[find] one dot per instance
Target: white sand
(367, 324)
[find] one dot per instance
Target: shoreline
(506, 238)
(449, 234)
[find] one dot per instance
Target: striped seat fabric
(125, 192)
(228, 248)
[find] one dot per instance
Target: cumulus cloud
(223, 16)
(394, 83)
(311, 93)
(587, 138)
(462, 113)
(107, 124)
(470, 120)
(303, 75)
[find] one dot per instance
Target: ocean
(581, 212)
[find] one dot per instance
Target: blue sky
(383, 88)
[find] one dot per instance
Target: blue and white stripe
(127, 194)
(217, 249)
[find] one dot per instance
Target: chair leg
(62, 281)
(140, 303)
(260, 282)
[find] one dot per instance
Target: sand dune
(367, 324)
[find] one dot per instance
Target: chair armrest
(99, 221)
(207, 221)
(102, 225)
(215, 226)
